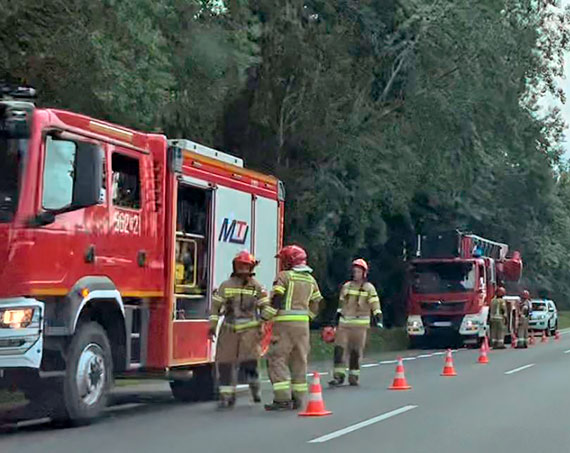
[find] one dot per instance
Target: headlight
(19, 318)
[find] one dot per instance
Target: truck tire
(416, 342)
(89, 374)
(199, 388)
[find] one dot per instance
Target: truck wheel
(89, 374)
(416, 342)
(553, 330)
(199, 388)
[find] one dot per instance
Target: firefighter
(296, 297)
(244, 303)
(498, 319)
(524, 312)
(358, 298)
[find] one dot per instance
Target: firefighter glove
(337, 317)
(212, 332)
(378, 321)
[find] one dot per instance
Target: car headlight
(19, 318)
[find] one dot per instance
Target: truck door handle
(141, 258)
(90, 254)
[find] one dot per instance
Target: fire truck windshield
(11, 158)
(431, 278)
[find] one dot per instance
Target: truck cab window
(58, 173)
(126, 182)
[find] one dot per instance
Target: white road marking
(405, 359)
(439, 353)
(516, 370)
(387, 362)
(369, 365)
(425, 356)
(364, 424)
(567, 352)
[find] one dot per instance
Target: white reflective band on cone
(315, 397)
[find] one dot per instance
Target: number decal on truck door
(126, 223)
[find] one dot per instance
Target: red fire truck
(111, 243)
(453, 280)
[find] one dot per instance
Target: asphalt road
(517, 403)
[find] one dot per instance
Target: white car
(544, 316)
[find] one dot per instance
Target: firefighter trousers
(497, 333)
(349, 346)
(237, 350)
(522, 333)
(287, 360)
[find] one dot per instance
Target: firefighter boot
(280, 406)
(227, 401)
(354, 371)
(338, 379)
(338, 374)
(255, 390)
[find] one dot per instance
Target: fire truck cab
(111, 244)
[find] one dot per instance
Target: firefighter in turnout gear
(498, 319)
(244, 303)
(296, 297)
(524, 312)
(358, 298)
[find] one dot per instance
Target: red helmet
(292, 256)
(501, 291)
(245, 257)
(362, 264)
(328, 334)
(526, 294)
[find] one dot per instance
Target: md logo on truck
(234, 232)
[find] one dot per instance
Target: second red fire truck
(453, 279)
(111, 243)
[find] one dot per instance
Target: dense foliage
(383, 117)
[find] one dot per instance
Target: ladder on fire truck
(471, 242)
(456, 243)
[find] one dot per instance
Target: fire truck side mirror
(175, 159)
(88, 176)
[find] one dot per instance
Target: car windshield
(443, 277)
(11, 159)
(539, 306)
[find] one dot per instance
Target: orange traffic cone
(486, 344)
(316, 405)
(544, 337)
(483, 359)
(400, 382)
(557, 336)
(448, 369)
(514, 340)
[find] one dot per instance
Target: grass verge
(563, 319)
(378, 341)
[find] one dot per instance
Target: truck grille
(435, 322)
(439, 307)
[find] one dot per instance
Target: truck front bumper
(472, 325)
(21, 345)
(538, 324)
